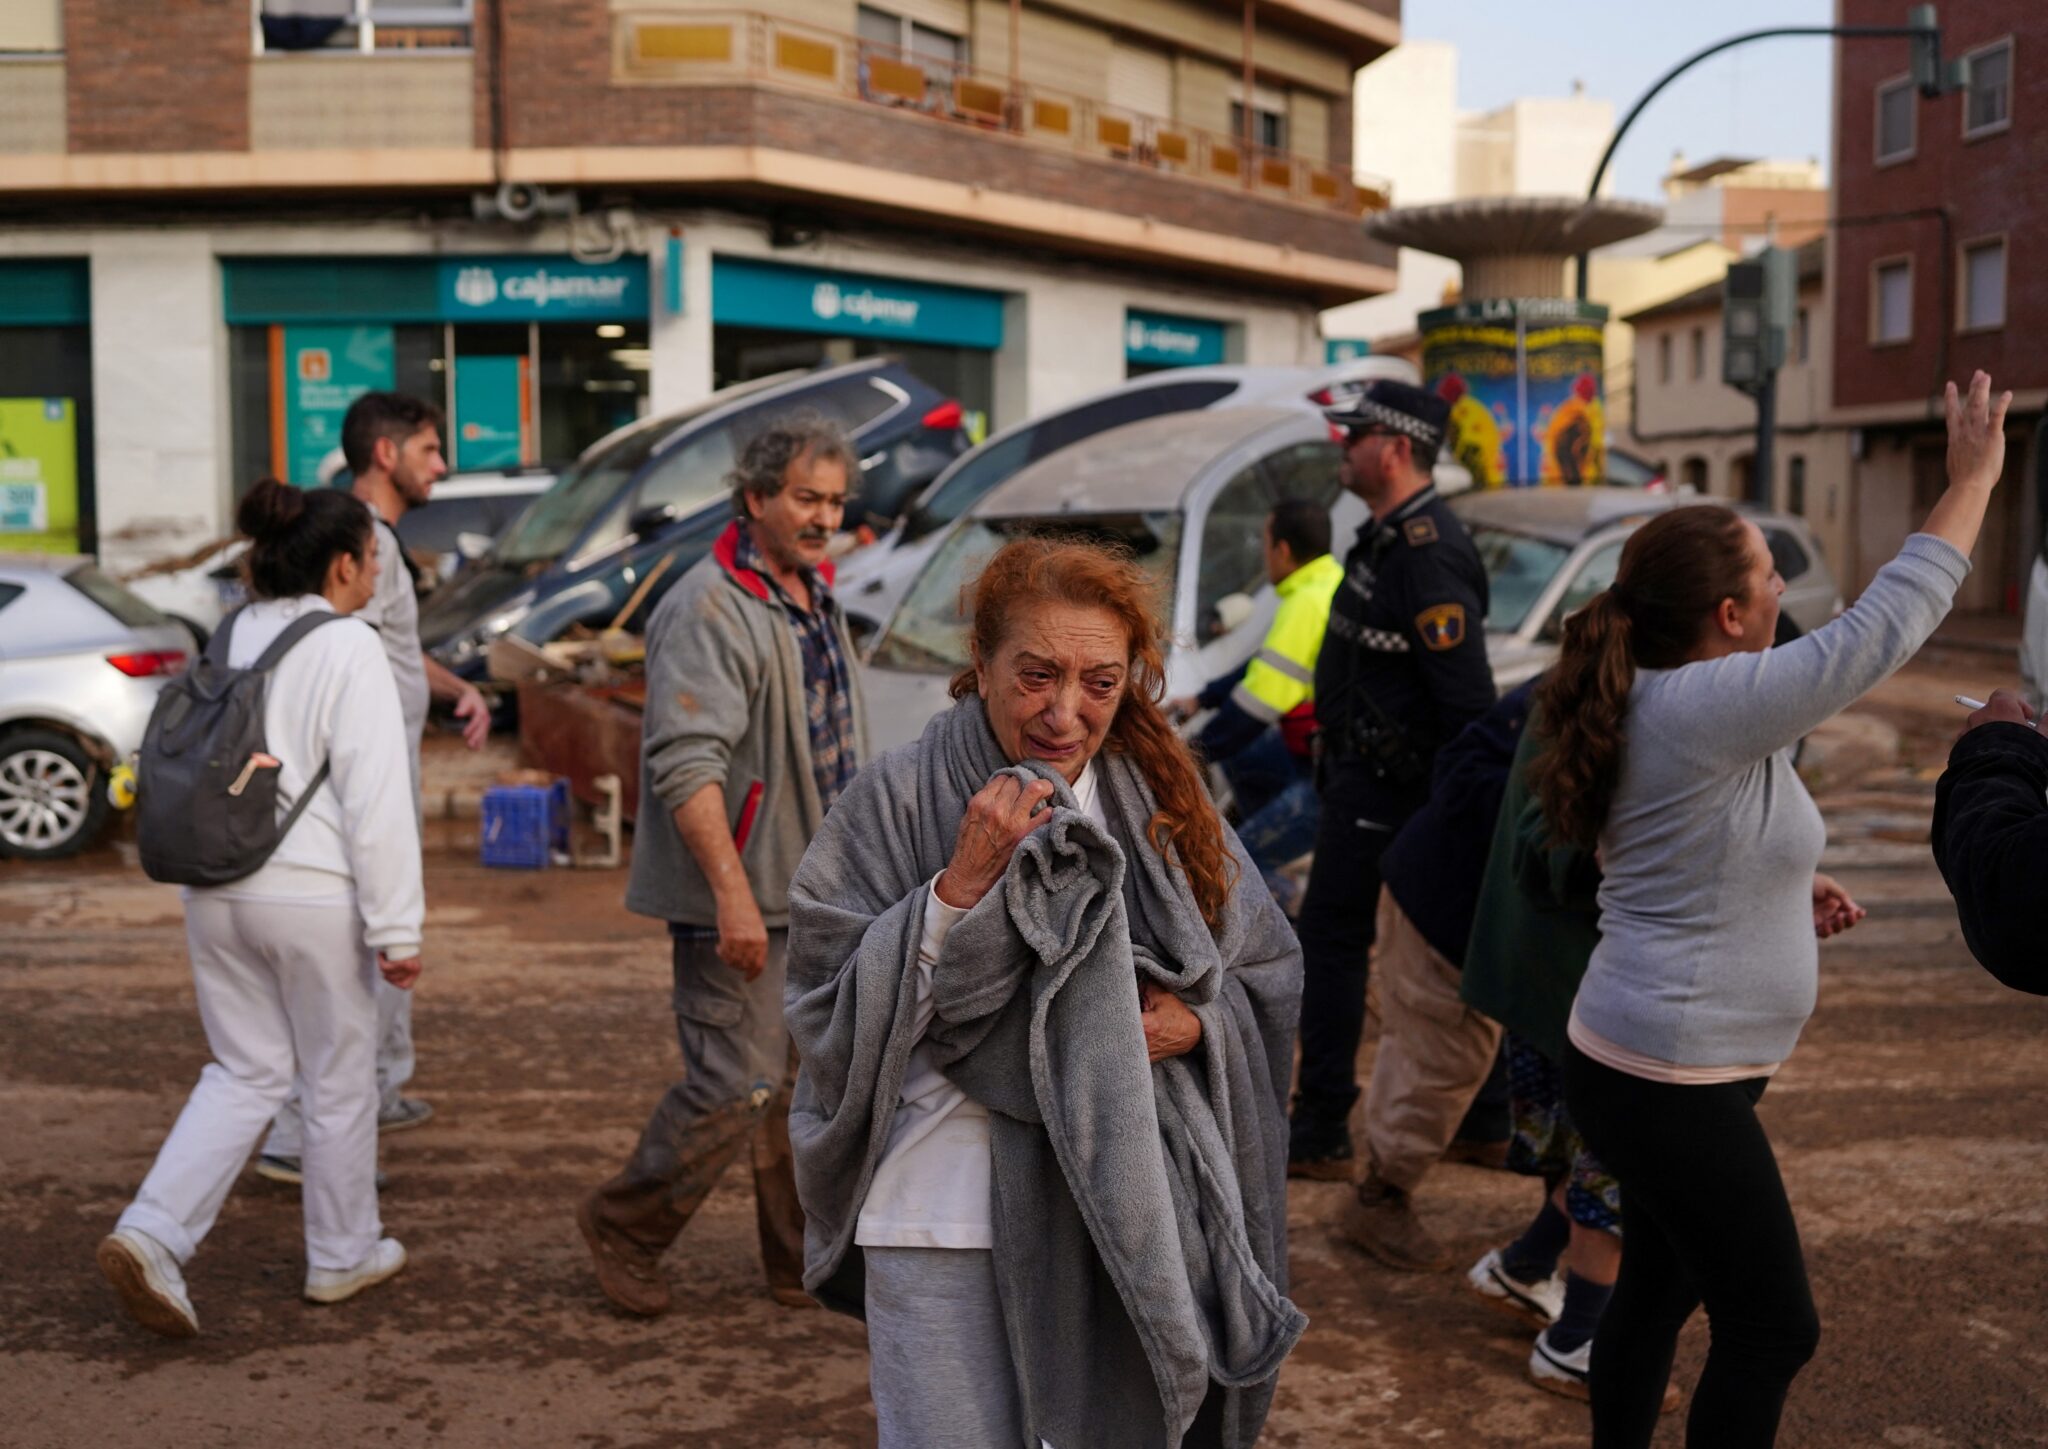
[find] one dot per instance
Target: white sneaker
(146, 1276)
(332, 1285)
(1560, 1373)
(1538, 1303)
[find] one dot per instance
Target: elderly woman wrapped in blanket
(1046, 1012)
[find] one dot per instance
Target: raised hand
(1976, 434)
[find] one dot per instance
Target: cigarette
(1968, 703)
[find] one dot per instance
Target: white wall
(159, 382)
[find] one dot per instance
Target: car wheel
(53, 798)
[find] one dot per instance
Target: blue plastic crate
(519, 825)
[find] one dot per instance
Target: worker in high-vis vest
(1263, 728)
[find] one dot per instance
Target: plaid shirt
(828, 698)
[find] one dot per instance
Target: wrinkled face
(416, 465)
(1055, 684)
(795, 527)
(1759, 612)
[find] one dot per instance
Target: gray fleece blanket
(1140, 1211)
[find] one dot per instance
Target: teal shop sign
(1345, 349)
(42, 293)
(489, 412)
(1156, 339)
(391, 289)
(326, 369)
(553, 289)
(746, 293)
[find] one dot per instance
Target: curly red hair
(1031, 571)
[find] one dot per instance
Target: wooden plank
(978, 99)
(800, 54)
(1277, 174)
(1113, 132)
(1173, 146)
(1225, 161)
(582, 733)
(888, 77)
(1055, 116)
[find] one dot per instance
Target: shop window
(1987, 106)
(286, 26)
(1891, 301)
(1895, 119)
(1983, 299)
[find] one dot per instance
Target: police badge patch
(1442, 627)
(1420, 531)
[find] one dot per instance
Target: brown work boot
(629, 1275)
(1379, 1220)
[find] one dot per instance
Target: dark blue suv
(653, 497)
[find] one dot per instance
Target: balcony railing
(724, 47)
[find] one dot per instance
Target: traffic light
(1759, 307)
(1934, 78)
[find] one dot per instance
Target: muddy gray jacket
(1140, 1211)
(725, 706)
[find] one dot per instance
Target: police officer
(1402, 669)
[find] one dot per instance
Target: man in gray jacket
(753, 727)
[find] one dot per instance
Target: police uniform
(1402, 669)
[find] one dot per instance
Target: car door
(1229, 557)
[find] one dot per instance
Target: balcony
(742, 48)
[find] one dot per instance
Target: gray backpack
(206, 810)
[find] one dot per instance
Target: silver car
(1187, 492)
(1549, 550)
(873, 579)
(81, 662)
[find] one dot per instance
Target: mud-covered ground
(1912, 1125)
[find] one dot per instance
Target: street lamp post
(1933, 77)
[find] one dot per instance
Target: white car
(1188, 493)
(873, 580)
(456, 525)
(81, 663)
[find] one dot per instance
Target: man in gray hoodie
(753, 727)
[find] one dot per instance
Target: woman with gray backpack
(275, 787)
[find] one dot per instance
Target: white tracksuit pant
(394, 1066)
(285, 994)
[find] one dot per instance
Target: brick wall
(172, 75)
(1993, 184)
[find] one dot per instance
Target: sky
(1768, 98)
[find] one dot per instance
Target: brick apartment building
(218, 216)
(1936, 269)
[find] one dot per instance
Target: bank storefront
(1155, 341)
(46, 455)
(767, 316)
(532, 357)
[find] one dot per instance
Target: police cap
(1384, 403)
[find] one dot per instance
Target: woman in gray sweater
(1674, 722)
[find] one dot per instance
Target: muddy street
(1912, 1125)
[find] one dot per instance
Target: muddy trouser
(284, 993)
(1434, 1053)
(738, 1068)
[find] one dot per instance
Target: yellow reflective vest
(1281, 679)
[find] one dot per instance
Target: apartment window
(1895, 115)
(1983, 299)
(1802, 337)
(1987, 107)
(326, 26)
(1269, 117)
(914, 40)
(1795, 486)
(1699, 353)
(1891, 301)
(1664, 351)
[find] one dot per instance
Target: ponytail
(1675, 571)
(1584, 704)
(295, 534)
